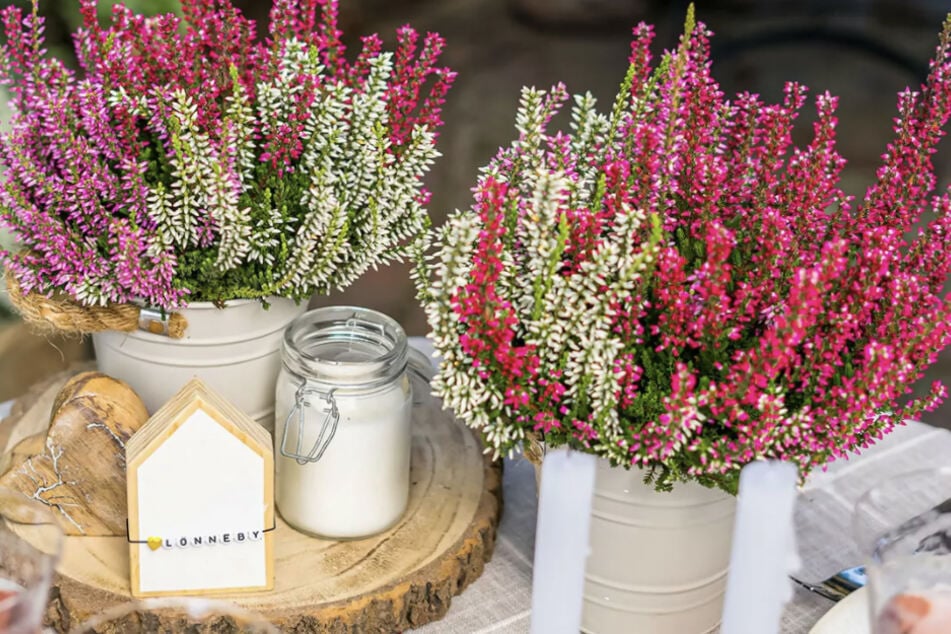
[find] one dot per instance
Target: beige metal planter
(658, 561)
(235, 350)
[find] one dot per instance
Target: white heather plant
(567, 319)
(167, 174)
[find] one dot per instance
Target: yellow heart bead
(154, 542)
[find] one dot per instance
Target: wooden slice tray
(401, 579)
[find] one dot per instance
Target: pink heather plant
(188, 161)
(674, 286)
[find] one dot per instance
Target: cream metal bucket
(658, 562)
(235, 350)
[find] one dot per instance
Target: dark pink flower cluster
(675, 285)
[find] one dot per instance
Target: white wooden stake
(764, 549)
(562, 541)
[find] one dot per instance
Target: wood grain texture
(392, 582)
(30, 415)
(79, 470)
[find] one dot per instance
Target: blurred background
(864, 51)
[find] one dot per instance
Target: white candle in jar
(360, 484)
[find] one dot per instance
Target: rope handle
(52, 315)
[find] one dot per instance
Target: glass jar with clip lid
(343, 423)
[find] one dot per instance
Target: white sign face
(200, 510)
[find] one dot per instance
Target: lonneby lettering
(231, 537)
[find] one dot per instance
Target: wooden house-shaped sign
(201, 499)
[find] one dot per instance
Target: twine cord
(62, 315)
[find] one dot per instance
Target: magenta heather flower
(189, 161)
(674, 285)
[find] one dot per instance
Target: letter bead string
(156, 542)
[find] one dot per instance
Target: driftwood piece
(28, 447)
(392, 582)
(80, 472)
(30, 416)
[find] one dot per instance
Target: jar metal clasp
(328, 426)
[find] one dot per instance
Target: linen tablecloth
(499, 602)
